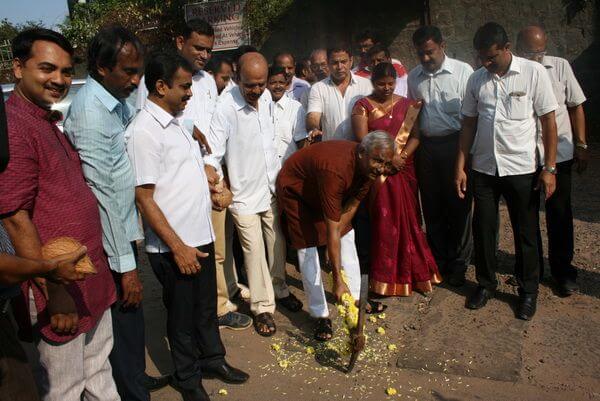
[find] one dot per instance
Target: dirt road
(433, 348)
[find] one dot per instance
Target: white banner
(226, 18)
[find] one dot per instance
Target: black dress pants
(128, 358)
(522, 201)
(16, 377)
(447, 217)
(559, 223)
(192, 324)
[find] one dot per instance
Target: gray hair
(375, 140)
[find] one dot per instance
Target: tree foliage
(261, 15)
(9, 30)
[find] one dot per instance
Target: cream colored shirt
(442, 93)
(335, 109)
(568, 94)
(507, 108)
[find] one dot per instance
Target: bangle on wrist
(550, 169)
(581, 145)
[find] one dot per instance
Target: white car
(61, 106)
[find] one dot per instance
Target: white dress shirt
(506, 107)
(568, 94)
(163, 153)
(290, 126)
(200, 107)
(243, 138)
(401, 88)
(335, 109)
(442, 93)
(297, 88)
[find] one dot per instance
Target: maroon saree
(401, 260)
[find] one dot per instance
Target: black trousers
(522, 201)
(192, 325)
(16, 377)
(559, 223)
(127, 358)
(447, 217)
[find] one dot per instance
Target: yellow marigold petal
(275, 347)
(222, 392)
(380, 330)
(283, 364)
(372, 319)
(391, 391)
(392, 347)
(310, 350)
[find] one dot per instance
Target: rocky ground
(433, 348)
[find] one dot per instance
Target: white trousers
(310, 267)
(80, 367)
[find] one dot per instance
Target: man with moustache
(295, 87)
(319, 68)
(380, 54)
(441, 82)
(95, 124)
(319, 190)
(43, 195)
(318, 64)
(572, 150)
(194, 43)
(331, 100)
(501, 106)
(364, 42)
(221, 68)
(179, 236)
(242, 136)
(289, 116)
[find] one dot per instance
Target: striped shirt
(95, 124)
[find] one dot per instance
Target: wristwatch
(550, 169)
(581, 145)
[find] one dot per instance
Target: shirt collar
(161, 115)
(27, 106)
(283, 102)
(105, 97)
(447, 66)
(239, 100)
(515, 65)
(546, 62)
(352, 79)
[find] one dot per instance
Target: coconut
(63, 245)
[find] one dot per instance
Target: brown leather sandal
(264, 321)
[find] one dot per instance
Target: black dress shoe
(566, 288)
(479, 298)
(456, 279)
(154, 383)
(196, 394)
(527, 306)
(225, 372)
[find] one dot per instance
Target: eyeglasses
(535, 55)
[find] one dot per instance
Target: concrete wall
(572, 30)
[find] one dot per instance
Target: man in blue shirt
(96, 124)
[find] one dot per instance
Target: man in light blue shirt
(440, 82)
(96, 124)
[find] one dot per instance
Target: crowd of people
(315, 162)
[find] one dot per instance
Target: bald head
(253, 71)
(531, 43)
(318, 63)
(253, 62)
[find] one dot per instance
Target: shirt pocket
(559, 90)
(451, 103)
(518, 106)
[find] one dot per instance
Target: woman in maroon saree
(401, 260)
